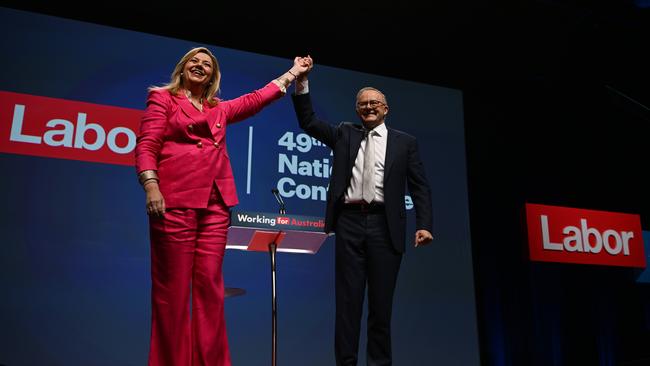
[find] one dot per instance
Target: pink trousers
(187, 249)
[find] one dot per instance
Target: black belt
(372, 207)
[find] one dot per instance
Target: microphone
(278, 198)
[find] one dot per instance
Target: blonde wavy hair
(176, 82)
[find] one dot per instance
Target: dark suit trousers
(364, 254)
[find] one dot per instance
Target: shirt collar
(380, 130)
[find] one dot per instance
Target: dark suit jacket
(402, 166)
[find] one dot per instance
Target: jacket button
(218, 125)
(199, 144)
(190, 127)
(216, 144)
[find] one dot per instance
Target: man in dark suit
(372, 167)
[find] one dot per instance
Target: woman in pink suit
(183, 165)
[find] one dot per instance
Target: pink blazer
(188, 147)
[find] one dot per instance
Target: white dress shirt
(355, 190)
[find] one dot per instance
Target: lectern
(272, 232)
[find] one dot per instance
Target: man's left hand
(423, 237)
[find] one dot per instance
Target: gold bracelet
(150, 180)
(146, 175)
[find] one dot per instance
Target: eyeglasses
(370, 103)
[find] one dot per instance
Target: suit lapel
(391, 142)
(187, 107)
(356, 135)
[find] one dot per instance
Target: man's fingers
(422, 237)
